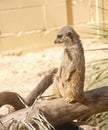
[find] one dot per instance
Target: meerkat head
(66, 35)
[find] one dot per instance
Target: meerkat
(69, 80)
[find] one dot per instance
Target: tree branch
(11, 98)
(41, 87)
(14, 99)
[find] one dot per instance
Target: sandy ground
(22, 73)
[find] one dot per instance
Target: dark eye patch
(59, 36)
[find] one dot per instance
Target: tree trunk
(58, 111)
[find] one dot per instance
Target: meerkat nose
(55, 41)
(58, 41)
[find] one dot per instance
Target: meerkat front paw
(66, 77)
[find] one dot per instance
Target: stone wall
(32, 24)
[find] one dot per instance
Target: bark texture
(15, 99)
(41, 87)
(58, 111)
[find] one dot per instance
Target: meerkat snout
(59, 39)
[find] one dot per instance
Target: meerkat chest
(66, 60)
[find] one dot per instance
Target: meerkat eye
(69, 33)
(60, 36)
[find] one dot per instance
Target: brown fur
(69, 81)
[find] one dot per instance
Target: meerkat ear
(73, 35)
(70, 35)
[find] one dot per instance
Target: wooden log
(41, 87)
(11, 98)
(15, 99)
(58, 111)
